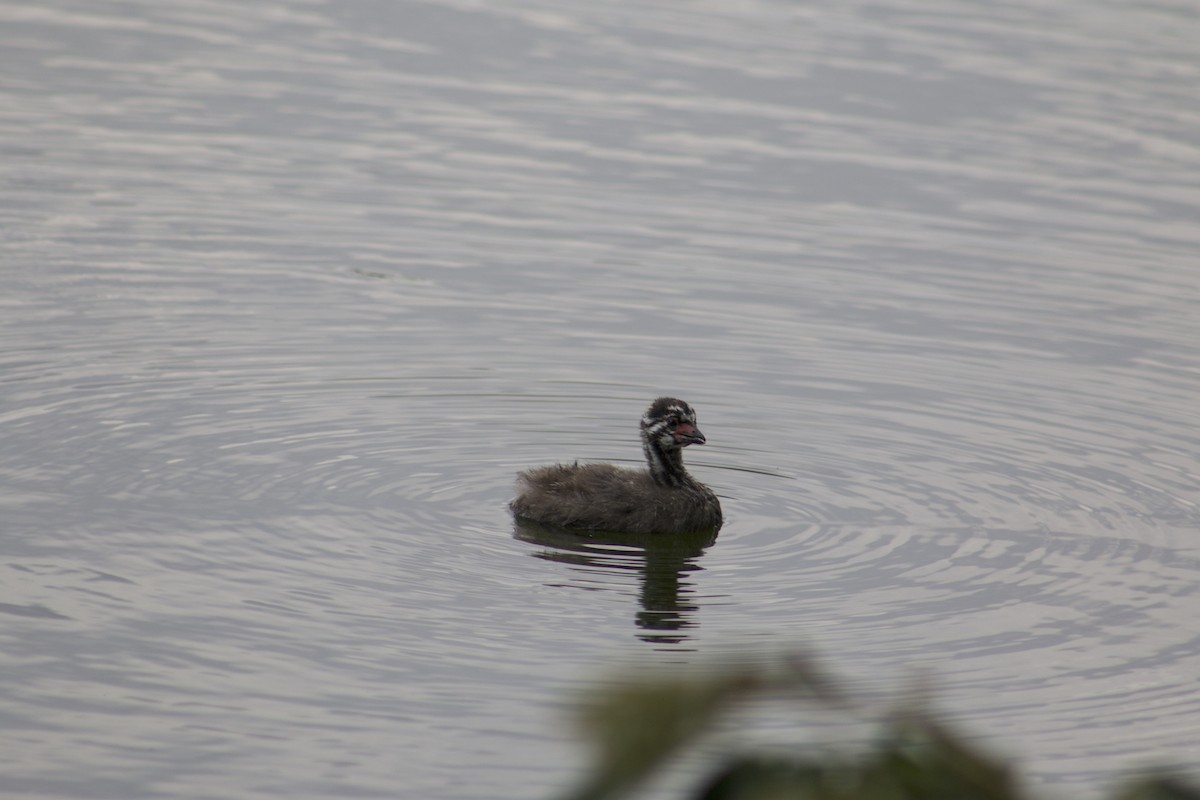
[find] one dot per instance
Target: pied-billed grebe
(602, 497)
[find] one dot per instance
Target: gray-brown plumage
(601, 497)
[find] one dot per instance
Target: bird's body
(601, 497)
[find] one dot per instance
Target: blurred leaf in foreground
(1162, 786)
(637, 725)
(918, 760)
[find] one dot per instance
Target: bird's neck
(666, 466)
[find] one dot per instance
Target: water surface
(293, 289)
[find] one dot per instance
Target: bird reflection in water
(659, 561)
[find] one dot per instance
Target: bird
(663, 498)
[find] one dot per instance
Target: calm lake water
(292, 290)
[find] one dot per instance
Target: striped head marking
(671, 423)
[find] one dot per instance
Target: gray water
(292, 290)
